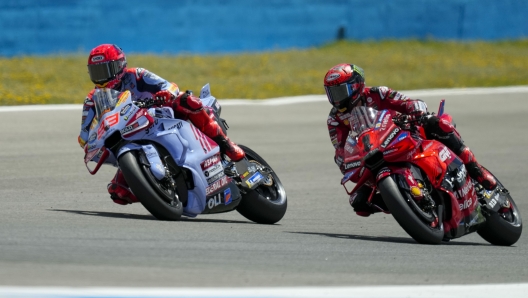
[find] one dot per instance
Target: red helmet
(106, 65)
(344, 84)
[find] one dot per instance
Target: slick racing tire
(408, 219)
(264, 204)
(141, 183)
(503, 227)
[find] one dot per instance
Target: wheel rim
(429, 217)
(273, 192)
(165, 191)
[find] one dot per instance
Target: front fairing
(371, 133)
(108, 122)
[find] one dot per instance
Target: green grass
(401, 65)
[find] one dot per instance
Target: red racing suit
(439, 128)
(379, 98)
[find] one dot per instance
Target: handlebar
(146, 103)
(407, 121)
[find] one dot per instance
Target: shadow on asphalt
(145, 217)
(387, 239)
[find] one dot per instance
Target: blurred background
(261, 49)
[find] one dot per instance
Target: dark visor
(104, 72)
(337, 94)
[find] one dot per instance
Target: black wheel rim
(428, 217)
(162, 188)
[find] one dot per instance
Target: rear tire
(265, 204)
(502, 229)
(143, 190)
(406, 217)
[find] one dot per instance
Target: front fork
(410, 180)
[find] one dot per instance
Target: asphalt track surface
(58, 226)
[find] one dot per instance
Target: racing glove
(163, 97)
(416, 109)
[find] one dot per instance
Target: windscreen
(361, 119)
(105, 100)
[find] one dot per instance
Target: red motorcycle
(423, 184)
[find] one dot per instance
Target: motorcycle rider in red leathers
(107, 68)
(345, 89)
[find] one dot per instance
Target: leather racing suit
(385, 98)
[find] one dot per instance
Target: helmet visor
(104, 72)
(338, 94)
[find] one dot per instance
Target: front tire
(400, 209)
(145, 192)
(265, 204)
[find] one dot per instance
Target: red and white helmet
(106, 65)
(344, 84)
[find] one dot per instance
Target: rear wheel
(267, 203)
(505, 226)
(424, 226)
(159, 197)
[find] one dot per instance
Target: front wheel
(159, 199)
(265, 204)
(417, 224)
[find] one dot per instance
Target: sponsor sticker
(382, 173)
(444, 154)
(213, 170)
(462, 193)
(123, 97)
(214, 201)
(92, 138)
(125, 109)
(216, 185)
(98, 58)
(227, 196)
(212, 179)
(210, 161)
(403, 136)
(347, 176)
(254, 179)
(333, 77)
(352, 165)
(390, 137)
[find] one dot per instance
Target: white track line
(466, 291)
(295, 99)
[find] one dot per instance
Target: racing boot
(119, 192)
(476, 171)
(208, 125)
(229, 148)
